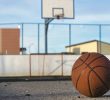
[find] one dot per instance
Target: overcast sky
(86, 11)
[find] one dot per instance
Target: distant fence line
(60, 35)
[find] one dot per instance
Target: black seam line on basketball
(79, 77)
(86, 60)
(88, 81)
(90, 90)
(90, 84)
(82, 71)
(97, 75)
(78, 80)
(92, 60)
(85, 67)
(100, 66)
(82, 63)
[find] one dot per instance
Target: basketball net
(60, 16)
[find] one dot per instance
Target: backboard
(58, 8)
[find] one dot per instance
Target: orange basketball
(91, 74)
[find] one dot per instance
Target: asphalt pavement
(43, 90)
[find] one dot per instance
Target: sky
(86, 11)
(29, 11)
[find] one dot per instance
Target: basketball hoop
(52, 9)
(60, 16)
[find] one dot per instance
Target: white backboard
(51, 8)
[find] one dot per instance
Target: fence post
(70, 37)
(100, 36)
(22, 37)
(38, 37)
(62, 64)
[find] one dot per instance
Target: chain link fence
(63, 38)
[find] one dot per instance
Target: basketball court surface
(42, 90)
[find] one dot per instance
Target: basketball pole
(47, 21)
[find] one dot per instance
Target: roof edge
(87, 42)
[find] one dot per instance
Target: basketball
(91, 74)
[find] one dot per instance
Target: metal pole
(22, 38)
(62, 64)
(70, 37)
(38, 37)
(47, 21)
(100, 36)
(46, 37)
(30, 64)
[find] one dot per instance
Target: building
(89, 46)
(10, 41)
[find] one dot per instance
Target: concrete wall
(46, 65)
(68, 61)
(12, 66)
(37, 65)
(52, 65)
(0, 42)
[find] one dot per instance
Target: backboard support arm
(47, 21)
